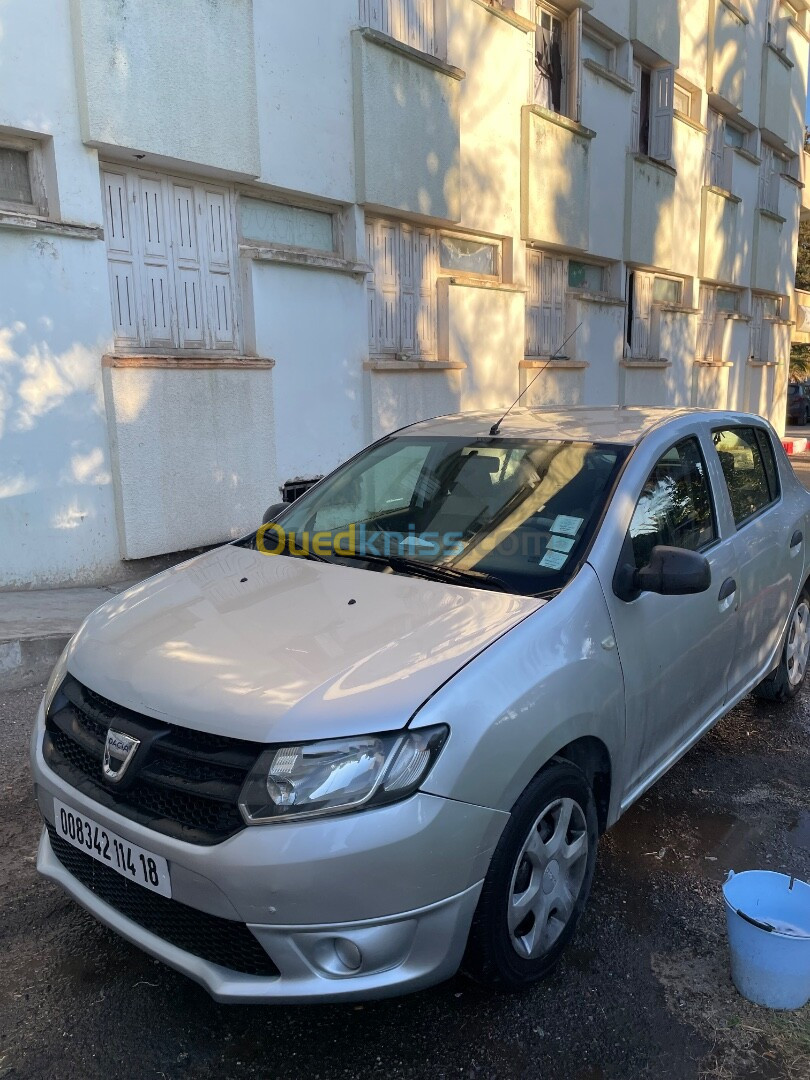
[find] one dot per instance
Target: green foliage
(799, 360)
(803, 260)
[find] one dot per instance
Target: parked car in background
(379, 738)
(798, 403)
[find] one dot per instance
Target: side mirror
(671, 571)
(272, 513)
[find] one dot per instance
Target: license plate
(105, 846)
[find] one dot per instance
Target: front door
(675, 651)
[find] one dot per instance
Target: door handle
(727, 589)
(797, 538)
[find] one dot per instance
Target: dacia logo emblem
(119, 750)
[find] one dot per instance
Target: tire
(531, 901)
(787, 680)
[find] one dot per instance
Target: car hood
(269, 647)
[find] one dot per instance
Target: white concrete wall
(315, 111)
(180, 483)
(175, 82)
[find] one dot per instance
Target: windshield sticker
(554, 560)
(568, 526)
(561, 543)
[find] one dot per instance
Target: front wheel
(787, 680)
(538, 881)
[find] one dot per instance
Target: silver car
(377, 739)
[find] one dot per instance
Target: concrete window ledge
(694, 124)
(734, 9)
(562, 121)
(187, 362)
(535, 363)
(386, 42)
(313, 260)
(746, 155)
(598, 298)
(724, 193)
(32, 223)
(484, 283)
(643, 159)
(735, 316)
(762, 363)
(650, 363)
(772, 216)
(713, 363)
(388, 365)
(610, 76)
(678, 309)
(780, 55)
(494, 7)
(792, 180)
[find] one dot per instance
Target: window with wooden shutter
(640, 315)
(545, 303)
(662, 111)
(401, 289)
(171, 255)
(706, 323)
(413, 22)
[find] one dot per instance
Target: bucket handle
(755, 922)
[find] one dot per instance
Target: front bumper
(399, 883)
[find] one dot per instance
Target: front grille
(220, 941)
(182, 783)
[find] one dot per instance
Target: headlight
(57, 678)
(338, 774)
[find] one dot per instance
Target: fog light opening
(348, 954)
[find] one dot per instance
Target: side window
(751, 476)
(675, 507)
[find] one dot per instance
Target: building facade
(240, 240)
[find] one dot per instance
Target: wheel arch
(592, 757)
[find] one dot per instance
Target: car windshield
(495, 513)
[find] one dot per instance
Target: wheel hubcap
(798, 644)
(547, 878)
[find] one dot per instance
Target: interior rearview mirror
(671, 571)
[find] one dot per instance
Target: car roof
(621, 424)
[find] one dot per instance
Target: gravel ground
(644, 990)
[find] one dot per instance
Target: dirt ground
(644, 991)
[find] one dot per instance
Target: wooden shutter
(157, 292)
(426, 271)
(188, 273)
(126, 330)
(546, 320)
(372, 293)
(221, 320)
(757, 315)
(533, 264)
(642, 314)
(706, 323)
(408, 257)
(715, 150)
(574, 83)
(635, 143)
(662, 113)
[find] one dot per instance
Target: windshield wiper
(415, 567)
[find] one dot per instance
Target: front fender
(554, 678)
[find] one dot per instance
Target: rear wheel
(538, 881)
(787, 680)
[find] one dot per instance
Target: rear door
(769, 544)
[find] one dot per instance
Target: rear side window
(749, 466)
(675, 506)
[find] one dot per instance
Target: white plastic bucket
(768, 919)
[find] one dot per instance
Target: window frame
(759, 434)
(578, 289)
(660, 108)
(627, 546)
(32, 148)
(244, 238)
(139, 260)
(571, 31)
(471, 275)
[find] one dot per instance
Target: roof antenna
(497, 427)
